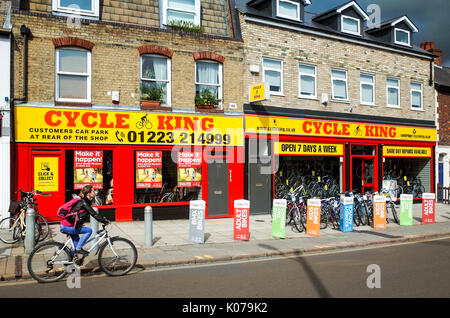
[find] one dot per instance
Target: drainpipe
(25, 32)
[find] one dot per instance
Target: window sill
(308, 97)
(418, 109)
(367, 104)
(82, 15)
(343, 101)
(393, 106)
(85, 104)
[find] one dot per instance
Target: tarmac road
(419, 269)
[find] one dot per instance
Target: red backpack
(64, 210)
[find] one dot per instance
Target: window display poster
(46, 174)
(189, 169)
(88, 168)
(148, 169)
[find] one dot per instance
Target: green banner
(406, 209)
(279, 218)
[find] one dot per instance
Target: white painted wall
(5, 170)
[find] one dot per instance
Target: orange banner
(313, 218)
(379, 212)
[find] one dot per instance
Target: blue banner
(346, 214)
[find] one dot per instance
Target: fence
(443, 194)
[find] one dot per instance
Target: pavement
(171, 245)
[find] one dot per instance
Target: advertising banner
(58, 125)
(379, 212)
(346, 219)
(313, 217)
(197, 221)
(396, 151)
(46, 174)
(279, 218)
(313, 149)
(148, 169)
(258, 92)
(241, 220)
(406, 209)
(88, 168)
(189, 169)
(428, 207)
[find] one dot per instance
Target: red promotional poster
(88, 169)
(189, 169)
(148, 169)
(241, 220)
(428, 207)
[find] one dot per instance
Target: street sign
(406, 209)
(279, 218)
(313, 217)
(258, 92)
(346, 220)
(241, 220)
(379, 212)
(197, 221)
(428, 207)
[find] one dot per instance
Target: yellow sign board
(396, 151)
(36, 124)
(258, 93)
(328, 128)
(46, 174)
(313, 149)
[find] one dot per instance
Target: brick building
(349, 102)
(86, 73)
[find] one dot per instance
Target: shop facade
(328, 157)
(132, 159)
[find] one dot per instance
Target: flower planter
(205, 106)
(150, 104)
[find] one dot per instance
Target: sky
(432, 18)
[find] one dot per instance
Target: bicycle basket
(14, 207)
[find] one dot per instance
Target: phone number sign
(38, 124)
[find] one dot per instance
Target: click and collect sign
(279, 218)
(379, 212)
(241, 220)
(313, 218)
(197, 221)
(428, 208)
(406, 209)
(346, 220)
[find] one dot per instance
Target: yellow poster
(46, 174)
(38, 124)
(328, 128)
(397, 151)
(313, 149)
(257, 93)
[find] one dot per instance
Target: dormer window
(350, 25)
(288, 9)
(402, 37)
(181, 10)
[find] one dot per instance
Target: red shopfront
(132, 159)
(346, 155)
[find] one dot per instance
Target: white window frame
(168, 81)
(88, 75)
(351, 18)
(387, 92)
(402, 43)
(57, 9)
(421, 95)
(361, 90)
(275, 70)
(220, 85)
(309, 75)
(333, 97)
(165, 7)
(285, 16)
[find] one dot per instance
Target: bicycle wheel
(289, 216)
(117, 257)
(323, 219)
(48, 261)
(44, 227)
(361, 215)
(394, 213)
(296, 216)
(8, 234)
(356, 216)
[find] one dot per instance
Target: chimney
(429, 46)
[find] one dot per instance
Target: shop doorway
(218, 198)
(364, 170)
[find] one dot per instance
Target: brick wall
(295, 47)
(444, 118)
(116, 60)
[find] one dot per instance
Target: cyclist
(73, 225)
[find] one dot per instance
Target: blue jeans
(74, 234)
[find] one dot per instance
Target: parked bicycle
(13, 228)
(50, 261)
(296, 210)
(390, 205)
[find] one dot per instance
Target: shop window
(273, 75)
(159, 179)
(363, 150)
(94, 167)
(307, 176)
(73, 75)
(155, 79)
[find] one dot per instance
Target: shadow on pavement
(315, 279)
(377, 234)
